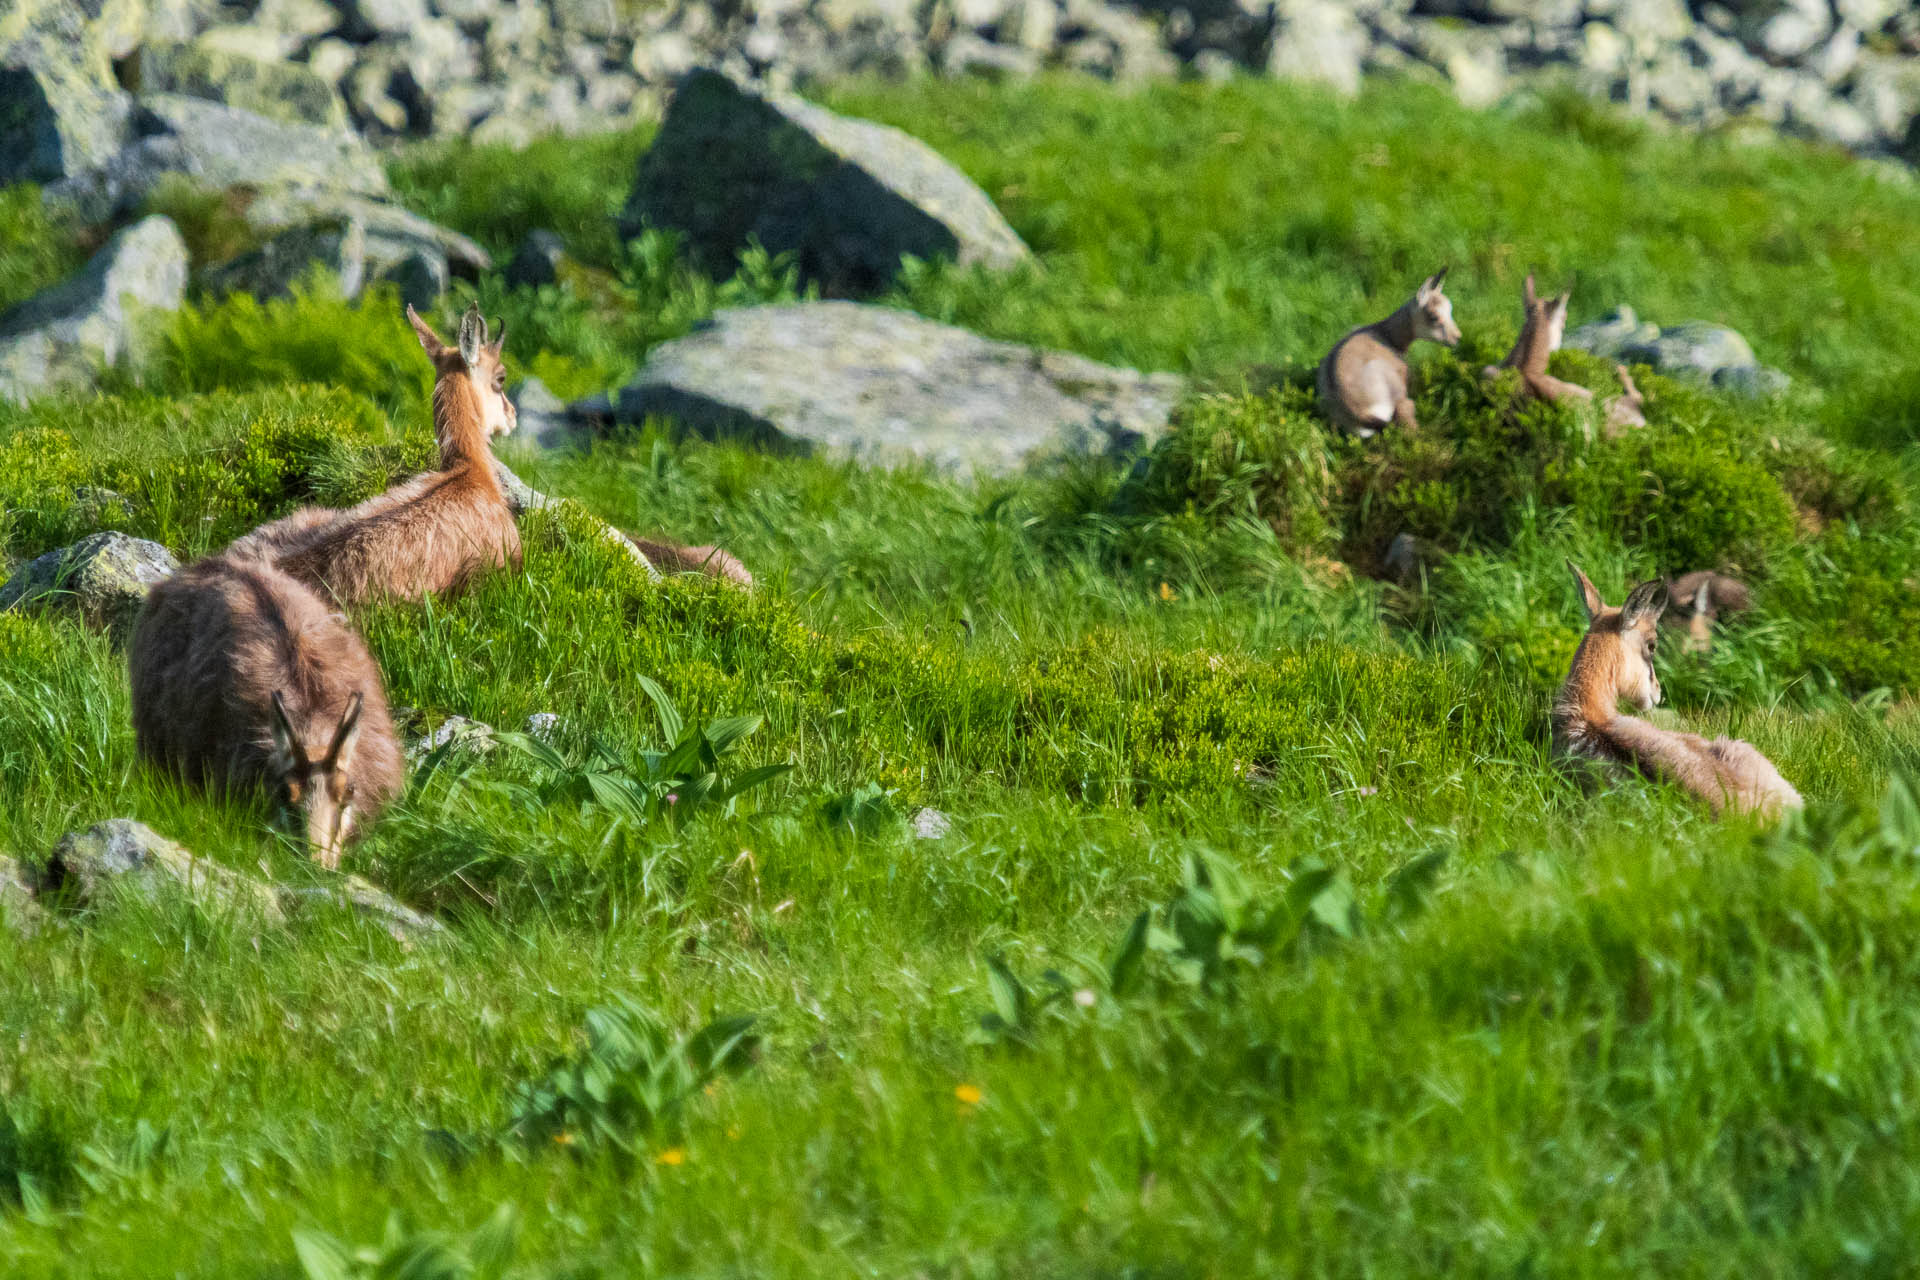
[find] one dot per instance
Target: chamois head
(315, 771)
(475, 358)
(1546, 322)
(1617, 652)
(1433, 312)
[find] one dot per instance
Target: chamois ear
(286, 743)
(1432, 284)
(429, 340)
(1527, 295)
(1558, 307)
(347, 736)
(1645, 603)
(473, 335)
(1589, 594)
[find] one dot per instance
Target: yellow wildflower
(672, 1155)
(969, 1094)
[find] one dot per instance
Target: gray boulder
(1694, 348)
(1608, 336)
(289, 92)
(61, 337)
(888, 386)
(455, 733)
(393, 234)
(116, 186)
(103, 578)
(287, 259)
(18, 909)
(541, 418)
(847, 197)
(536, 261)
(61, 111)
(226, 146)
(365, 899)
(88, 868)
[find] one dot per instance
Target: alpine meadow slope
(1262, 935)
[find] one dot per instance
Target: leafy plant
(688, 777)
(1215, 926)
(407, 1253)
(630, 1083)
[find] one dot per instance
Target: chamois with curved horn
(1615, 661)
(1541, 332)
(436, 532)
(243, 678)
(1363, 380)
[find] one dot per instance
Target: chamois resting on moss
(436, 532)
(1615, 661)
(242, 678)
(1363, 380)
(1702, 596)
(1540, 334)
(671, 557)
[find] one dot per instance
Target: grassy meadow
(1266, 938)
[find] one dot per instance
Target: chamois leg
(1404, 415)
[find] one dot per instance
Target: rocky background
(1839, 70)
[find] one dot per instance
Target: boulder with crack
(104, 578)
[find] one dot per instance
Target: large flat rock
(60, 110)
(887, 386)
(848, 197)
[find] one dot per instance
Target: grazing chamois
(243, 678)
(1703, 596)
(436, 532)
(671, 557)
(1540, 335)
(1615, 661)
(1363, 380)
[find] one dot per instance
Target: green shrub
(192, 472)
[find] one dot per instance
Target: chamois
(1363, 380)
(1704, 595)
(671, 557)
(243, 678)
(1540, 334)
(436, 532)
(1615, 661)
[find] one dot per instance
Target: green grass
(1476, 1017)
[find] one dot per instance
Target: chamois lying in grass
(1615, 661)
(1363, 380)
(671, 557)
(434, 533)
(242, 678)
(1540, 335)
(1702, 596)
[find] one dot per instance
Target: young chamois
(243, 678)
(1363, 380)
(1540, 334)
(671, 557)
(434, 533)
(1703, 596)
(1615, 661)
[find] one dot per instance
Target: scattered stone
(393, 233)
(1608, 336)
(1694, 348)
(542, 420)
(887, 386)
(258, 80)
(1755, 380)
(226, 146)
(419, 275)
(931, 824)
(60, 338)
(1403, 560)
(457, 734)
(104, 578)
(537, 259)
(60, 110)
(402, 923)
(1318, 40)
(99, 506)
(848, 197)
(543, 725)
(123, 856)
(18, 910)
(291, 257)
